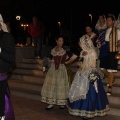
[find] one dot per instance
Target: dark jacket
(7, 54)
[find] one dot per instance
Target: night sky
(73, 14)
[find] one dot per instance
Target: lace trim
(89, 37)
(58, 53)
(79, 88)
(89, 114)
(53, 101)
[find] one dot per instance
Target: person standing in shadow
(36, 29)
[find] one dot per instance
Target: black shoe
(109, 91)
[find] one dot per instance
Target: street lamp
(18, 17)
(90, 15)
(59, 23)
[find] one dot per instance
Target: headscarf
(98, 27)
(86, 43)
(3, 25)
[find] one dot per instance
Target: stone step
(29, 66)
(35, 95)
(115, 89)
(27, 78)
(114, 99)
(25, 95)
(117, 81)
(114, 110)
(32, 61)
(28, 72)
(25, 87)
(118, 73)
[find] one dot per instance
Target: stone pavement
(27, 109)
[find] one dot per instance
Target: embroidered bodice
(59, 57)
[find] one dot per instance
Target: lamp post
(90, 15)
(59, 23)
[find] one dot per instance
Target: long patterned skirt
(95, 103)
(56, 86)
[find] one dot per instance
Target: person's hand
(98, 43)
(79, 64)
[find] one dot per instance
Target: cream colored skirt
(56, 86)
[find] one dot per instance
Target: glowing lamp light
(117, 56)
(18, 17)
(59, 23)
(90, 15)
(22, 25)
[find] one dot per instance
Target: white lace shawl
(80, 85)
(88, 60)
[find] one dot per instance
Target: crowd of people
(83, 94)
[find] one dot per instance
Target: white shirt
(107, 35)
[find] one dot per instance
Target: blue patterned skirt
(95, 104)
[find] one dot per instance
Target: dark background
(73, 14)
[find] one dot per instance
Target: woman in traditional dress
(101, 30)
(87, 97)
(56, 85)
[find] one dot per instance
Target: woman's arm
(71, 60)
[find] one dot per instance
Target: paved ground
(26, 109)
